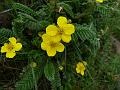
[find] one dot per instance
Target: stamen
(60, 31)
(10, 47)
(53, 44)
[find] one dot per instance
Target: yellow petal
(77, 70)
(17, 46)
(100, 1)
(51, 30)
(61, 21)
(56, 38)
(45, 37)
(82, 72)
(4, 48)
(44, 46)
(66, 38)
(10, 54)
(68, 29)
(12, 40)
(60, 47)
(81, 66)
(51, 51)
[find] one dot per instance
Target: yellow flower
(51, 45)
(80, 68)
(99, 1)
(62, 31)
(11, 47)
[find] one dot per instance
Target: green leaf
(56, 83)
(27, 16)
(23, 8)
(4, 35)
(30, 76)
(67, 8)
(49, 71)
(85, 32)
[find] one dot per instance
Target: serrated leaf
(85, 32)
(27, 16)
(67, 8)
(49, 71)
(4, 35)
(27, 81)
(23, 8)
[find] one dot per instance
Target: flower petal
(44, 46)
(99, 1)
(10, 54)
(17, 46)
(45, 37)
(68, 29)
(61, 21)
(4, 48)
(66, 38)
(82, 72)
(12, 40)
(51, 30)
(51, 51)
(77, 70)
(56, 38)
(79, 64)
(60, 47)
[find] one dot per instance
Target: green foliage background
(95, 25)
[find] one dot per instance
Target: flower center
(10, 47)
(53, 44)
(60, 31)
